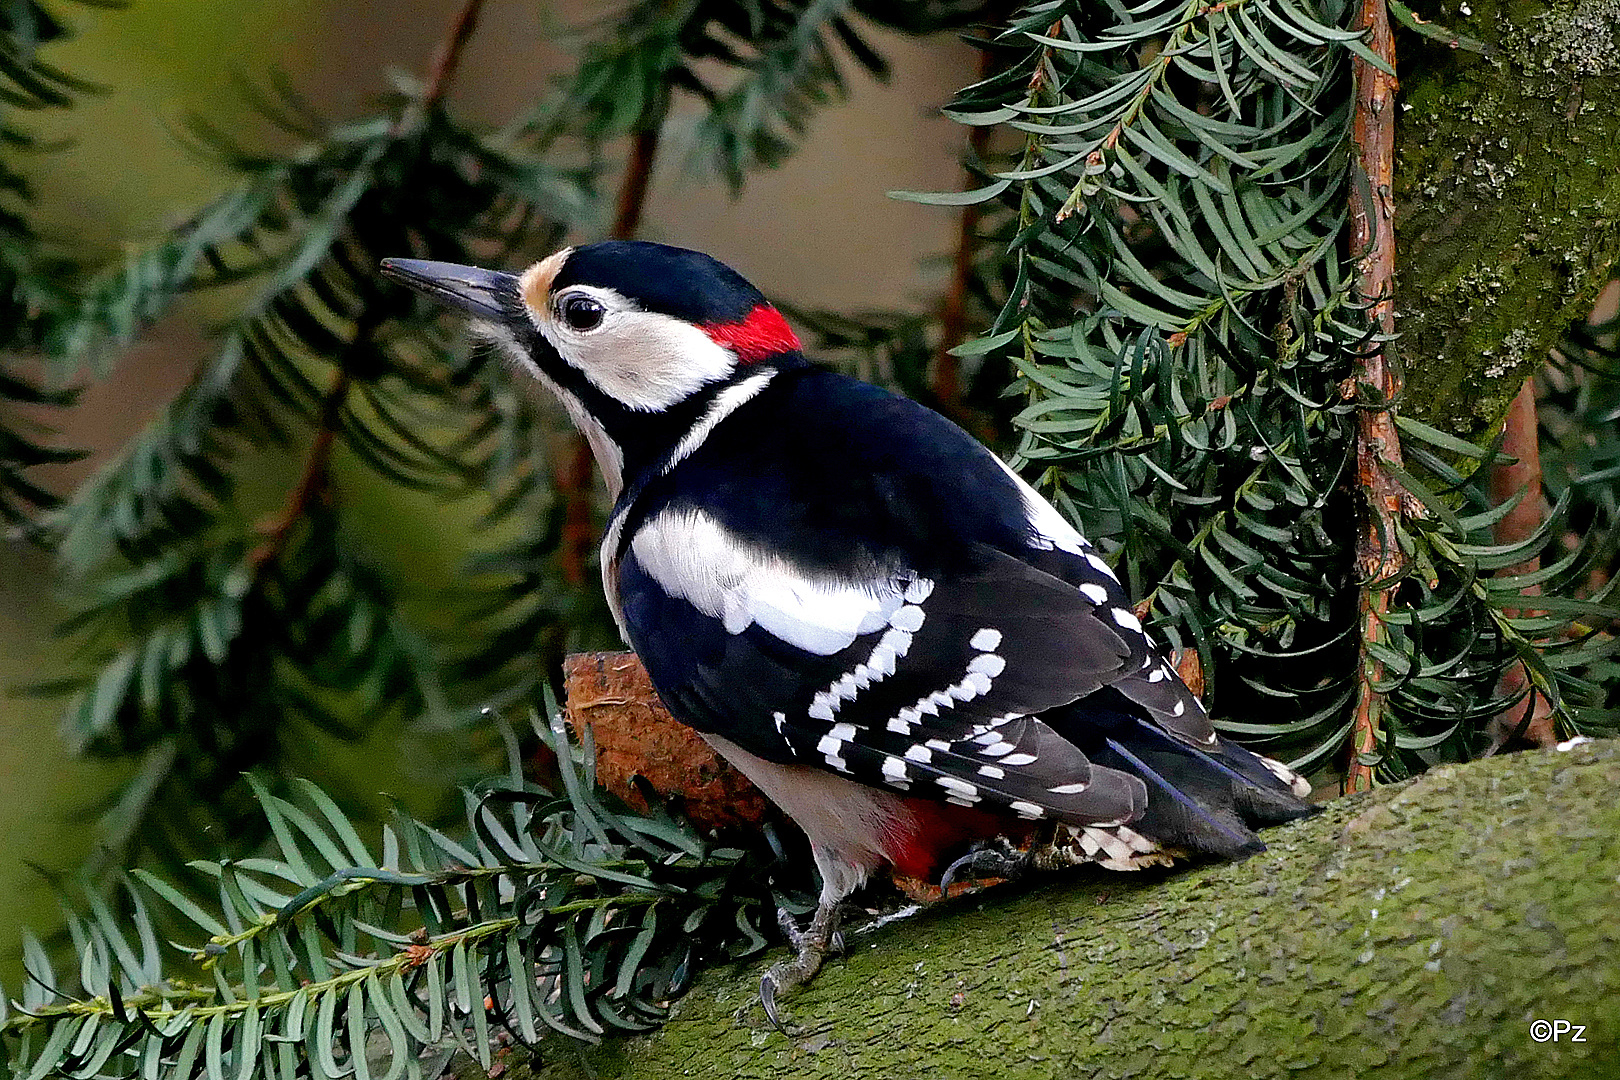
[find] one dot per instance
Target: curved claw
(813, 943)
(767, 999)
(987, 862)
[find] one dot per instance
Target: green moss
(1507, 198)
(1415, 932)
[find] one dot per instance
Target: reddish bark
(1520, 441)
(1372, 236)
(947, 380)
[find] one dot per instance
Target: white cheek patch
(692, 556)
(644, 359)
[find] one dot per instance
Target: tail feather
(1207, 799)
(1175, 818)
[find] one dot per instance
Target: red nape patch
(762, 332)
(938, 832)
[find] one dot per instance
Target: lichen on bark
(1507, 197)
(1414, 932)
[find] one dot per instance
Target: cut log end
(635, 736)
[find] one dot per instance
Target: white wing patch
(694, 557)
(1051, 530)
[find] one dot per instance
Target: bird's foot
(796, 937)
(991, 859)
(813, 943)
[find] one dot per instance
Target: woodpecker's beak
(489, 294)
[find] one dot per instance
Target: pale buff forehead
(535, 283)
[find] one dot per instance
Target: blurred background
(818, 233)
(306, 531)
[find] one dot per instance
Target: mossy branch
(1415, 931)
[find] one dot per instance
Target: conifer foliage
(1186, 325)
(1158, 245)
(29, 292)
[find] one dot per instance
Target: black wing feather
(1003, 623)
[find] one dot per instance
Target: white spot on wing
(831, 748)
(909, 618)
(891, 646)
(958, 787)
(986, 639)
(1095, 593)
(1127, 619)
(1026, 809)
(988, 664)
(975, 685)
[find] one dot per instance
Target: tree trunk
(1420, 929)
(1507, 197)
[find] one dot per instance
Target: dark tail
(1208, 799)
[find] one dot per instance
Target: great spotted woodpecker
(868, 613)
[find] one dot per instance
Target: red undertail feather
(936, 833)
(761, 333)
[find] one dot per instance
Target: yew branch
(313, 482)
(1521, 477)
(1375, 380)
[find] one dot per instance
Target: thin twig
(953, 312)
(312, 486)
(1372, 236)
(448, 57)
(1520, 440)
(637, 182)
(572, 476)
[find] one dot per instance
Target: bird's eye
(583, 313)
